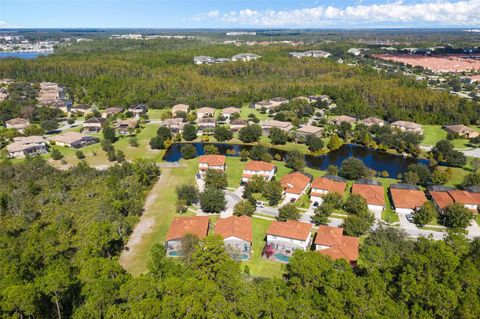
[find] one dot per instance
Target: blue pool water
(243, 257)
(281, 257)
(22, 55)
(175, 254)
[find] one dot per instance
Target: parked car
(260, 204)
(409, 217)
(292, 200)
(315, 204)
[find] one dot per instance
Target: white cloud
(436, 12)
(205, 16)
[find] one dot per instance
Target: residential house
(229, 111)
(203, 59)
(175, 125)
(370, 121)
(469, 200)
(127, 127)
(406, 198)
(138, 110)
(238, 124)
(181, 226)
(217, 162)
(50, 93)
(277, 101)
(283, 238)
(331, 242)
(264, 169)
(307, 130)
(264, 105)
(206, 125)
(237, 234)
(245, 57)
(180, 108)
(72, 139)
(441, 199)
(407, 126)
(18, 124)
(374, 195)
(462, 130)
(310, 53)
(324, 185)
(93, 125)
(337, 120)
(3, 94)
(205, 112)
(26, 146)
(295, 185)
(80, 108)
(269, 124)
(112, 111)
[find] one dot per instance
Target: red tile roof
(240, 227)
(259, 166)
(295, 183)
(180, 226)
(212, 160)
(290, 229)
(341, 247)
(442, 199)
(407, 198)
(463, 197)
(373, 194)
(329, 185)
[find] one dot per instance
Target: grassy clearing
(245, 110)
(434, 133)
(156, 114)
(160, 212)
(260, 267)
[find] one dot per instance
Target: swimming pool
(244, 257)
(281, 257)
(174, 253)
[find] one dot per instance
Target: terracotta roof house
(138, 110)
(237, 233)
(441, 199)
(238, 124)
(112, 111)
(180, 108)
(337, 120)
(27, 146)
(373, 194)
(18, 124)
(462, 130)
(295, 185)
(309, 130)
(264, 104)
(406, 201)
(370, 121)
(283, 238)
(217, 162)
(324, 185)
(269, 124)
(125, 127)
(205, 112)
(72, 139)
(331, 242)
(175, 125)
(469, 200)
(93, 125)
(264, 169)
(407, 126)
(180, 226)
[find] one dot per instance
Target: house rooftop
(407, 125)
(230, 110)
(309, 129)
(259, 166)
(206, 110)
(442, 199)
(212, 160)
(195, 225)
(295, 182)
(95, 120)
(238, 122)
(373, 194)
(460, 129)
(290, 229)
(372, 121)
(68, 137)
(275, 123)
(463, 197)
(341, 247)
(180, 108)
(234, 226)
(343, 118)
(328, 184)
(18, 121)
(407, 198)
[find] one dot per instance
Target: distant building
(311, 53)
(264, 105)
(238, 124)
(205, 112)
(18, 124)
(112, 111)
(180, 108)
(206, 123)
(370, 121)
(138, 110)
(462, 130)
(27, 146)
(331, 242)
(245, 57)
(269, 124)
(277, 101)
(337, 120)
(126, 127)
(175, 125)
(237, 234)
(202, 59)
(72, 139)
(181, 226)
(306, 130)
(93, 125)
(229, 111)
(407, 126)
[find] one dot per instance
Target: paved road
(474, 152)
(66, 126)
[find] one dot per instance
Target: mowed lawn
(160, 213)
(434, 133)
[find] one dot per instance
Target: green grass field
(434, 133)
(245, 110)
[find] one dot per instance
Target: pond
(374, 159)
(22, 55)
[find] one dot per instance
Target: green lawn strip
(426, 227)
(162, 211)
(388, 213)
(260, 267)
(303, 201)
(245, 110)
(434, 133)
(234, 171)
(156, 114)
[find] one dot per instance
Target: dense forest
(62, 233)
(161, 73)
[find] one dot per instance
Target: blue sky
(238, 14)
